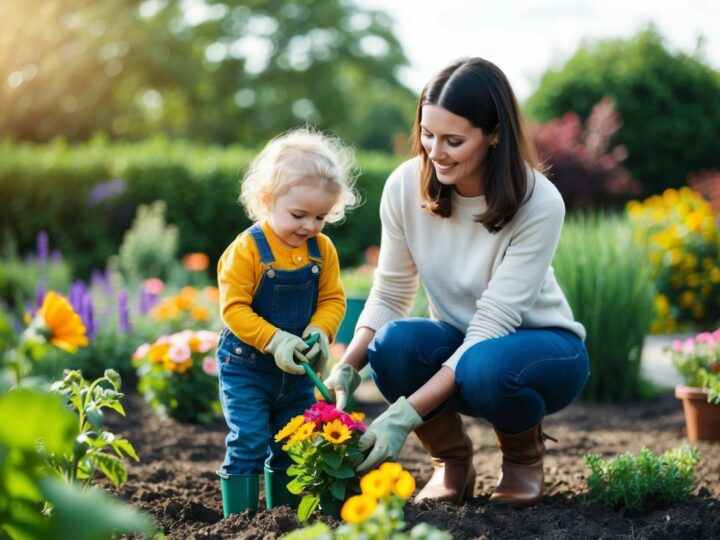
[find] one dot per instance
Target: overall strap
(266, 255)
(314, 249)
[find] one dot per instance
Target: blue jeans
(512, 381)
(257, 403)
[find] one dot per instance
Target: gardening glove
(283, 347)
(342, 381)
(320, 352)
(387, 434)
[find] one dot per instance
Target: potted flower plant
(322, 443)
(697, 360)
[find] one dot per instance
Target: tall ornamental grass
(606, 278)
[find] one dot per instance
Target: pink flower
(141, 351)
(154, 286)
(351, 423)
(705, 337)
(209, 365)
(688, 346)
(179, 352)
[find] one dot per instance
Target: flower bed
(174, 479)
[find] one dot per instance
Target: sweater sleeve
(518, 279)
(395, 281)
(239, 271)
(331, 295)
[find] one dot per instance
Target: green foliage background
(669, 103)
(49, 187)
(237, 71)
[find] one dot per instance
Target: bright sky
(525, 37)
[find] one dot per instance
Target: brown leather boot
(445, 437)
(521, 480)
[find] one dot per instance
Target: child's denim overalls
(257, 397)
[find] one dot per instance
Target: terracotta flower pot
(702, 419)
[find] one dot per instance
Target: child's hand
(283, 346)
(320, 352)
(342, 381)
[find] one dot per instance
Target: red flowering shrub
(585, 168)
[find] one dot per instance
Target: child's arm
(239, 271)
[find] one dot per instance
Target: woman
(473, 219)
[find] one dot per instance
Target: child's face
(300, 213)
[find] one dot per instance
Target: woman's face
(456, 149)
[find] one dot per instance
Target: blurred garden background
(126, 125)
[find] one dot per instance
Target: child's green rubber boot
(276, 493)
(239, 493)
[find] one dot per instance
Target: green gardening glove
(283, 346)
(342, 381)
(387, 434)
(320, 352)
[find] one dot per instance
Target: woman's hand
(387, 434)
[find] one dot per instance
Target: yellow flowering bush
(680, 231)
(190, 308)
(322, 443)
(377, 512)
(177, 374)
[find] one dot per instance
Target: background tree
(232, 71)
(669, 103)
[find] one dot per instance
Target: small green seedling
(643, 482)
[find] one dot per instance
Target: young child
(279, 283)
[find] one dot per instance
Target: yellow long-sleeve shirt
(239, 274)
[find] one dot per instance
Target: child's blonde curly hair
(300, 156)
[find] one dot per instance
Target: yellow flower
(391, 470)
(376, 484)
(335, 432)
(358, 508)
(303, 432)
(404, 485)
(290, 428)
(65, 328)
(357, 416)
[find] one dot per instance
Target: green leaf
(295, 486)
(307, 506)
(29, 415)
(123, 447)
(90, 514)
(332, 459)
(338, 490)
(344, 472)
(112, 467)
(95, 416)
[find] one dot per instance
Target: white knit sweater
(485, 285)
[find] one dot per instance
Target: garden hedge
(85, 196)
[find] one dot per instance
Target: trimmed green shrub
(149, 248)
(85, 196)
(606, 279)
(669, 103)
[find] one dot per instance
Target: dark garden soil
(175, 479)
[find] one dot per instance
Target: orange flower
(196, 262)
(199, 313)
(62, 326)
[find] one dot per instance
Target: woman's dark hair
(478, 91)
